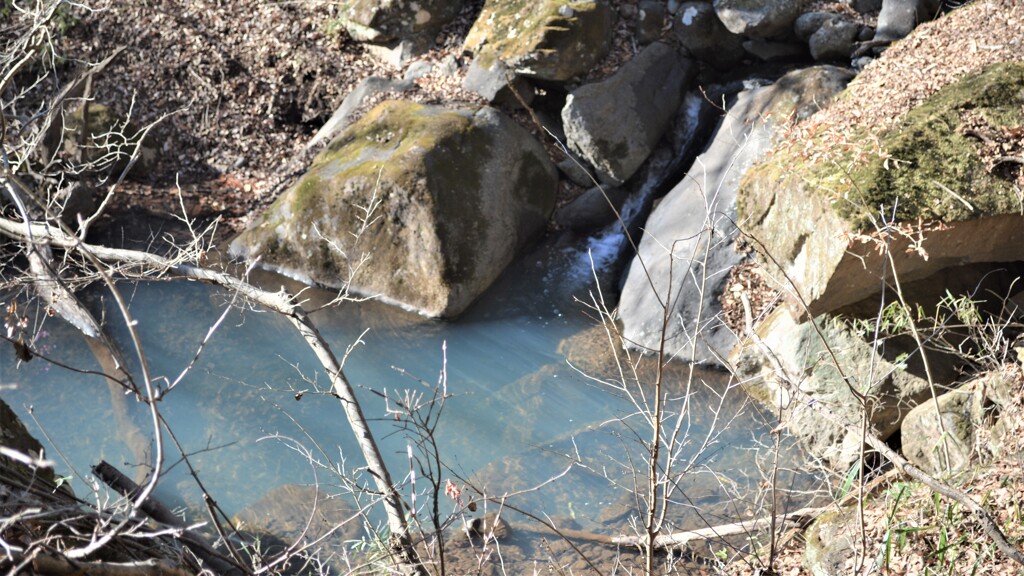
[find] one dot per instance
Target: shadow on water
(254, 414)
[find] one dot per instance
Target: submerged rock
(437, 200)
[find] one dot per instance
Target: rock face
(809, 363)
(758, 18)
(616, 123)
(940, 176)
(551, 40)
(439, 200)
(692, 229)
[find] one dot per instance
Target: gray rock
(703, 201)
(650, 21)
(439, 201)
(397, 30)
(574, 168)
(363, 92)
(965, 412)
(803, 355)
(807, 24)
(899, 17)
(591, 210)
(834, 40)
(758, 18)
(492, 82)
(703, 36)
(927, 444)
(832, 541)
(616, 123)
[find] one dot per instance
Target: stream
(524, 370)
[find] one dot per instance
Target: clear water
(518, 416)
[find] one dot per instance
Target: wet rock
(616, 123)
(439, 200)
(703, 36)
(834, 40)
(551, 40)
(758, 18)
(696, 221)
(769, 51)
(574, 168)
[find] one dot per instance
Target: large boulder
(833, 366)
(815, 215)
(552, 40)
(693, 228)
(758, 18)
(439, 200)
(616, 123)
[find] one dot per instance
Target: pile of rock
(443, 196)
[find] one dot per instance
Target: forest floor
(238, 88)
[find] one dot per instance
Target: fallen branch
(158, 511)
(60, 566)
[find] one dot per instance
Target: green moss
(929, 155)
(536, 35)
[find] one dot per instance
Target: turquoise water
(518, 416)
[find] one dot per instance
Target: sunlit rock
(438, 201)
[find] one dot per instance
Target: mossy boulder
(818, 216)
(438, 200)
(553, 40)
